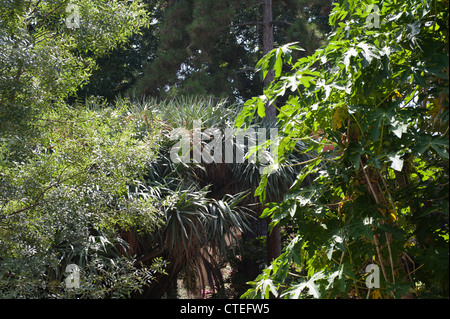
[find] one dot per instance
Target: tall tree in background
(194, 53)
(267, 47)
(274, 237)
(211, 48)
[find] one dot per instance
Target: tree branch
(38, 198)
(260, 22)
(243, 70)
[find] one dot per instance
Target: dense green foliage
(116, 72)
(43, 61)
(65, 203)
(66, 174)
(379, 97)
(360, 174)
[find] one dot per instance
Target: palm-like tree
(204, 206)
(199, 226)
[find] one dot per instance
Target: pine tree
(211, 48)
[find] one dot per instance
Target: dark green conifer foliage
(210, 48)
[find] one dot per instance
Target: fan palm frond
(203, 204)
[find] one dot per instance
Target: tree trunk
(172, 291)
(274, 238)
(268, 46)
(274, 244)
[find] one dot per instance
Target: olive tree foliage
(68, 174)
(48, 49)
(372, 105)
(68, 204)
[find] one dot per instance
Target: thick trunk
(274, 244)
